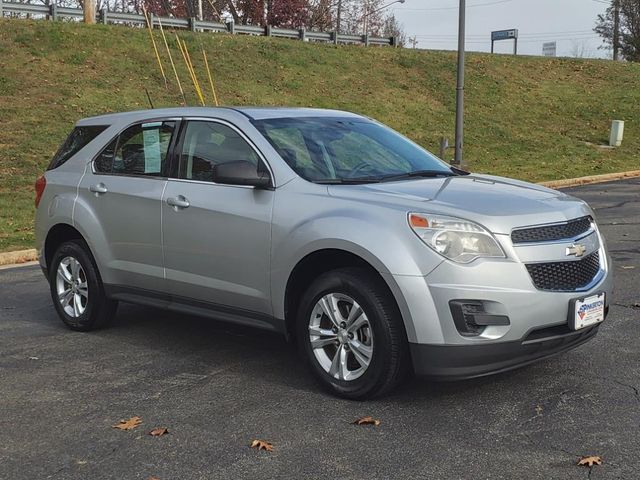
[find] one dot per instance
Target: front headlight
(454, 238)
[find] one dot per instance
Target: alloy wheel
(71, 286)
(341, 336)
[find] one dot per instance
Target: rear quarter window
(76, 141)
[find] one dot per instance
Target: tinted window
(345, 149)
(76, 141)
(207, 144)
(104, 161)
(141, 149)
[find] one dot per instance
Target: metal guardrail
(53, 12)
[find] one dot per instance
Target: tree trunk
(89, 10)
(234, 12)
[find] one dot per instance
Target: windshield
(344, 150)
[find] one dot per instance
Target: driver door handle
(178, 202)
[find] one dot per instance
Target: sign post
(505, 35)
(549, 49)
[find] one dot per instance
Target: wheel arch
(56, 236)
(325, 260)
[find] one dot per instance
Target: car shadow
(265, 355)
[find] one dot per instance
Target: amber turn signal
(418, 221)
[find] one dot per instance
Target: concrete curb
(18, 257)
(27, 256)
(607, 177)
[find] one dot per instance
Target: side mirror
(241, 172)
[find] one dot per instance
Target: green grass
(529, 118)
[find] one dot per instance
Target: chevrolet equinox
(372, 254)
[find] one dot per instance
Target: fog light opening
(471, 319)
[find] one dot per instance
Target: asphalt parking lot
(217, 387)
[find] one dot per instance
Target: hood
(500, 204)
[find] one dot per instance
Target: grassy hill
(531, 118)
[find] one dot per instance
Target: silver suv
(372, 254)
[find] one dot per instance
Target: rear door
(124, 189)
(217, 237)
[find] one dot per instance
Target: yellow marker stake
(193, 72)
(173, 66)
(184, 58)
(213, 90)
(155, 48)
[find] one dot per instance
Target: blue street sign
(504, 34)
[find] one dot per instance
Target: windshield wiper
(418, 173)
(347, 181)
(386, 178)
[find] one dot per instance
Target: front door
(217, 237)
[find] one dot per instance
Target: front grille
(565, 276)
(558, 231)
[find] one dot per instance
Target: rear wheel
(351, 333)
(76, 288)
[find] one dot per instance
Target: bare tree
(393, 28)
(344, 16)
(581, 49)
(619, 28)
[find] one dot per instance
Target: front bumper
(536, 326)
(457, 362)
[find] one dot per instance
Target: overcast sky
(568, 22)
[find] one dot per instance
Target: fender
(56, 206)
(370, 240)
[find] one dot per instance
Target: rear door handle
(99, 188)
(178, 202)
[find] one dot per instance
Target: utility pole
(89, 11)
(200, 16)
(339, 16)
(460, 85)
(616, 28)
(413, 41)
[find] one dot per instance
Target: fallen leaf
(368, 420)
(539, 409)
(130, 424)
(262, 445)
(628, 267)
(153, 478)
(590, 461)
(158, 432)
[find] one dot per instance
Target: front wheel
(76, 288)
(351, 333)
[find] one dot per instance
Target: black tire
(390, 359)
(99, 310)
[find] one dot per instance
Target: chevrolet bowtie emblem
(576, 249)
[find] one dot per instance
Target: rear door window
(141, 149)
(104, 162)
(76, 141)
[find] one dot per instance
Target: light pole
(616, 28)
(460, 86)
(365, 17)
